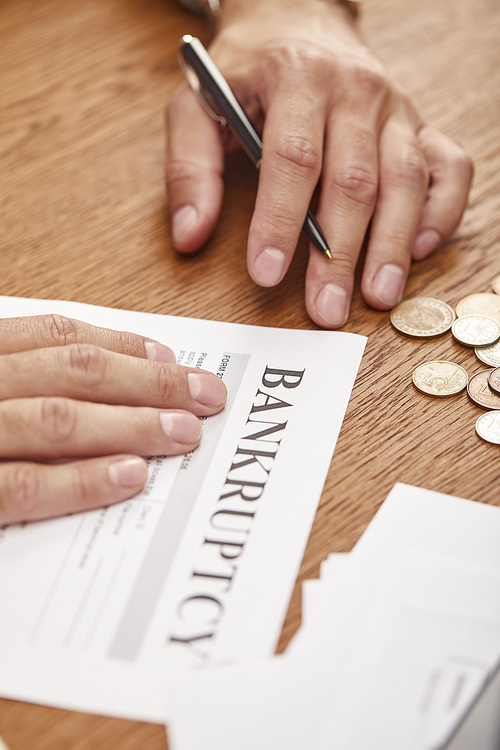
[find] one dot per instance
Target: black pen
(218, 100)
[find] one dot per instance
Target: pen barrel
(313, 232)
(220, 98)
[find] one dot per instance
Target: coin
(488, 426)
(476, 330)
(494, 380)
(422, 317)
(484, 303)
(490, 355)
(439, 378)
(479, 391)
(495, 285)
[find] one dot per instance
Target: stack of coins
(476, 323)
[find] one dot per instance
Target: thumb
(194, 169)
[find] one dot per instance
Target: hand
(327, 111)
(96, 399)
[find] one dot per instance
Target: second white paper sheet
(103, 611)
(408, 630)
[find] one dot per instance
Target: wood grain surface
(83, 87)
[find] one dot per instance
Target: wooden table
(84, 217)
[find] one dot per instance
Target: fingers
(194, 168)
(21, 334)
(451, 173)
(404, 179)
(290, 169)
(89, 373)
(60, 399)
(58, 428)
(329, 110)
(384, 180)
(422, 180)
(30, 492)
(348, 196)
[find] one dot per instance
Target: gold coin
(479, 391)
(484, 303)
(422, 317)
(476, 330)
(495, 285)
(494, 380)
(440, 378)
(490, 355)
(488, 426)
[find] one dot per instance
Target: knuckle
(60, 330)
(410, 166)
(345, 264)
(57, 418)
(86, 364)
(21, 490)
(82, 485)
(311, 63)
(281, 223)
(184, 173)
(121, 342)
(166, 383)
(397, 244)
(298, 153)
(358, 182)
(298, 57)
(180, 171)
(369, 76)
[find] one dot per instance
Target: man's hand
(328, 113)
(80, 405)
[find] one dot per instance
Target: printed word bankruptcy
(201, 611)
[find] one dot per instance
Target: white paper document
(400, 636)
(103, 611)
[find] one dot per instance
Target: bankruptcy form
(103, 611)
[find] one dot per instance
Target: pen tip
(328, 253)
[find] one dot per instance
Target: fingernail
(129, 472)
(159, 352)
(425, 243)
(183, 222)
(181, 427)
(269, 266)
(207, 389)
(332, 303)
(389, 284)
